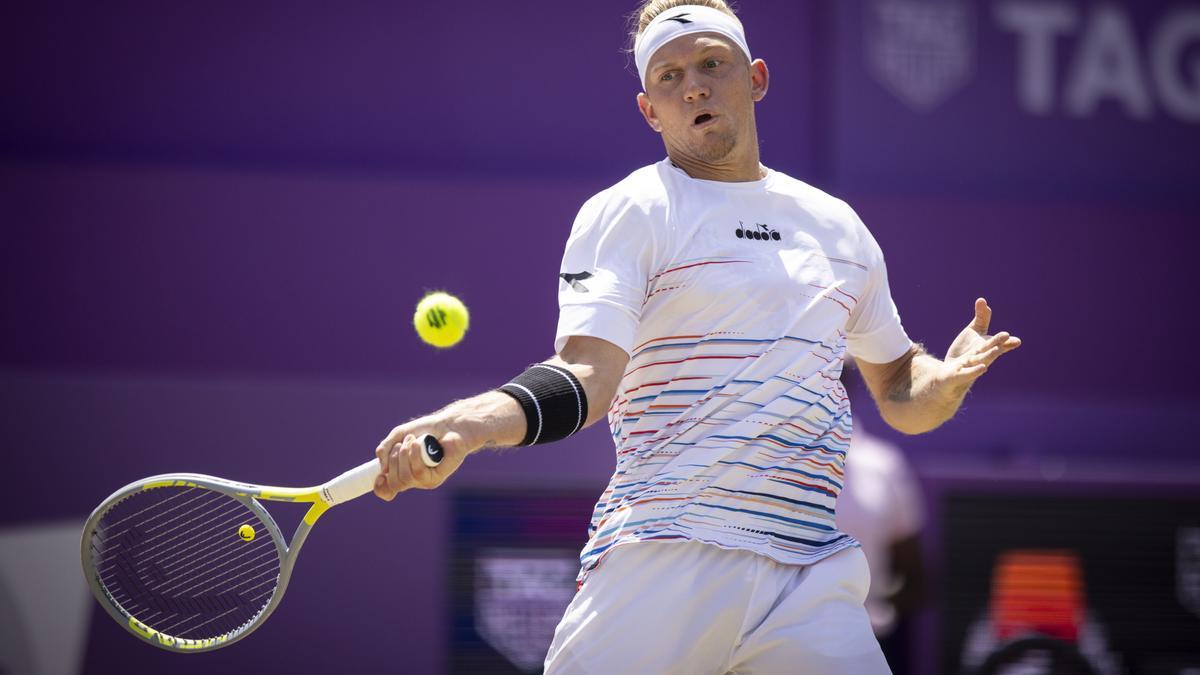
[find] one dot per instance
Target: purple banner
(464, 87)
(1015, 97)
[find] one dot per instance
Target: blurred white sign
(520, 595)
(45, 604)
(922, 51)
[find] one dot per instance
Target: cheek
(670, 119)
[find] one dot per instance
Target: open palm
(974, 350)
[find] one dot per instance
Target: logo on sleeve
(576, 280)
(760, 232)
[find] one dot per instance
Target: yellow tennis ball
(246, 533)
(441, 319)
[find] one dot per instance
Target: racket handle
(361, 479)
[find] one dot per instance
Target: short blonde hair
(652, 8)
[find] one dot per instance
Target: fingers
(963, 373)
(991, 349)
(966, 369)
(1002, 341)
(393, 478)
(983, 357)
(983, 316)
(423, 475)
(381, 489)
(971, 373)
(403, 467)
(381, 482)
(381, 451)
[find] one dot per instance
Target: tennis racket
(191, 563)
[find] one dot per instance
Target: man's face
(700, 95)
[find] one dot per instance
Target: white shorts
(692, 608)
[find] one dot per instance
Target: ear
(760, 78)
(647, 110)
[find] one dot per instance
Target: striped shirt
(736, 303)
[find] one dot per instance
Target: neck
(740, 166)
(729, 172)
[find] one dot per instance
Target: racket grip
(361, 479)
(351, 485)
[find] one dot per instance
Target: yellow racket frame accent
(349, 485)
(320, 497)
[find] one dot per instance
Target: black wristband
(554, 402)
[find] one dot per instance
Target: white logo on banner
(1187, 568)
(1108, 61)
(519, 598)
(921, 51)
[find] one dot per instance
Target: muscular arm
(491, 419)
(918, 392)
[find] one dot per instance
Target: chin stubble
(715, 149)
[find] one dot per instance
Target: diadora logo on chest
(760, 232)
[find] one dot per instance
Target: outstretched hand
(974, 350)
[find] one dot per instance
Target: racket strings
(138, 534)
(185, 549)
(172, 558)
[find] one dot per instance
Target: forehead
(686, 46)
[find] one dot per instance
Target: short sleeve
(605, 269)
(874, 333)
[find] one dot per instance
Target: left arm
(918, 392)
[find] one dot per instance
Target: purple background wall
(218, 218)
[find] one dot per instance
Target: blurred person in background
(880, 506)
(706, 304)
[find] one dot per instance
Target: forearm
(917, 392)
(495, 419)
(492, 419)
(916, 399)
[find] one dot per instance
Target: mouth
(703, 119)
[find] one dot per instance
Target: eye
(667, 76)
(712, 63)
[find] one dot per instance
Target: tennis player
(706, 305)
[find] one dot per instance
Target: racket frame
(246, 493)
(349, 485)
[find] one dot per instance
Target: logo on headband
(679, 18)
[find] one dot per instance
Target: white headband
(684, 20)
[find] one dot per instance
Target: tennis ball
(441, 319)
(246, 533)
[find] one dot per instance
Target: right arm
(491, 419)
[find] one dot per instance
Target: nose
(695, 88)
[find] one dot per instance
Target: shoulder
(640, 198)
(832, 212)
(645, 188)
(816, 200)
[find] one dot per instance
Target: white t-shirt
(880, 504)
(736, 303)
